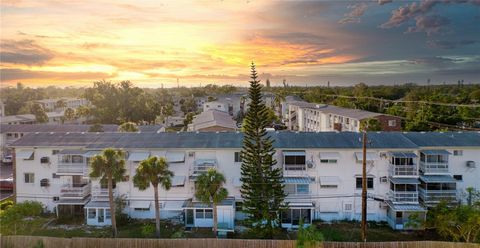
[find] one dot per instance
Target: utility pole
(364, 187)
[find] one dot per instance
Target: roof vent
(83, 132)
(217, 132)
(197, 132)
(67, 133)
(36, 132)
(422, 132)
(51, 132)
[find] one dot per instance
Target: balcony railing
(403, 170)
(403, 197)
(71, 168)
(71, 192)
(435, 196)
(201, 166)
(101, 194)
(434, 167)
(294, 167)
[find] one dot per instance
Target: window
(16, 135)
(238, 206)
(392, 123)
(29, 177)
(54, 175)
(328, 186)
(44, 182)
(348, 207)
(92, 213)
(141, 209)
(44, 160)
(358, 183)
(208, 213)
(295, 160)
(458, 177)
(457, 152)
(107, 214)
(199, 214)
(238, 157)
(55, 152)
(328, 161)
(302, 189)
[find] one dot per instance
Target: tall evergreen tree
(262, 187)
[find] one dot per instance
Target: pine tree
(262, 188)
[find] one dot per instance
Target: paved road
(5, 172)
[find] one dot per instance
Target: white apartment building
(50, 104)
(407, 173)
(310, 117)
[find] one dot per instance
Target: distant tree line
(416, 116)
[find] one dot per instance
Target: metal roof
(213, 140)
(406, 207)
(402, 154)
(397, 180)
(438, 179)
(448, 139)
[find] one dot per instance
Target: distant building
(212, 121)
(50, 104)
(2, 108)
(215, 105)
(311, 117)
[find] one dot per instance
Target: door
(101, 215)
(189, 219)
(77, 181)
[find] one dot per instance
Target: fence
(50, 242)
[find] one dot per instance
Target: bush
(13, 217)
(308, 236)
(6, 204)
(148, 229)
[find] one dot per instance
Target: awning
(25, 154)
(178, 180)
(138, 156)
(140, 204)
(293, 153)
(173, 205)
(91, 154)
(175, 157)
(371, 156)
(98, 204)
(406, 207)
(402, 154)
(72, 152)
(397, 180)
(329, 155)
(298, 180)
(436, 152)
(329, 180)
(300, 205)
(438, 179)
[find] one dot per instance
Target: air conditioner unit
(44, 160)
(383, 179)
(191, 154)
(471, 164)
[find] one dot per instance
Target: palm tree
(61, 104)
(153, 171)
(110, 167)
(209, 189)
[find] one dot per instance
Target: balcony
(72, 192)
(434, 167)
(435, 196)
(403, 196)
(66, 168)
(202, 165)
(101, 194)
(402, 170)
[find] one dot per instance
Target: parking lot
(5, 172)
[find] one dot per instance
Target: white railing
(101, 194)
(403, 197)
(295, 167)
(71, 168)
(402, 170)
(434, 167)
(71, 192)
(433, 196)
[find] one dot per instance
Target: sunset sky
(76, 42)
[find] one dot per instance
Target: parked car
(6, 184)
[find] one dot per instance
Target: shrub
(13, 217)
(148, 229)
(308, 236)
(6, 204)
